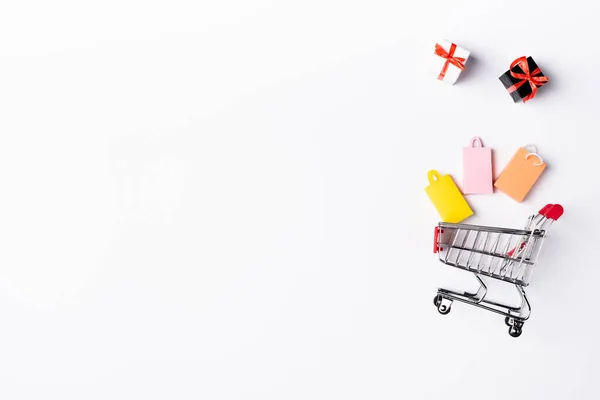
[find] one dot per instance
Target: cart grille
(504, 254)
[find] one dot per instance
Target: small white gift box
(450, 60)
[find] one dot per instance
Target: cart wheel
(507, 321)
(515, 331)
(444, 309)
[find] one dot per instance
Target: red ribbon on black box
(523, 79)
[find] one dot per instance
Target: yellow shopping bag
(447, 199)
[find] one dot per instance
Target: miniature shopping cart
(505, 254)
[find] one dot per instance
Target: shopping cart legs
(515, 317)
(515, 324)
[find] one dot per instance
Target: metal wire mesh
(505, 254)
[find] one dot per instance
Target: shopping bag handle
(433, 174)
(552, 211)
(475, 140)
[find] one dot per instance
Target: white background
(224, 199)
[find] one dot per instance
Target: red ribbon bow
(450, 59)
(526, 76)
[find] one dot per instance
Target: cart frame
(510, 257)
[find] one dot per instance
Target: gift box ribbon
(450, 59)
(526, 76)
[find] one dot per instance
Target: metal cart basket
(505, 254)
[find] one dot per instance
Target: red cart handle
(545, 209)
(552, 211)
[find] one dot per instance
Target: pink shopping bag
(477, 168)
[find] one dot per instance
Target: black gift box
(525, 90)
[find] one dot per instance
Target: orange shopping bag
(447, 199)
(520, 174)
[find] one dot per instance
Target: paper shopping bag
(447, 199)
(520, 174)
(477, 168)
